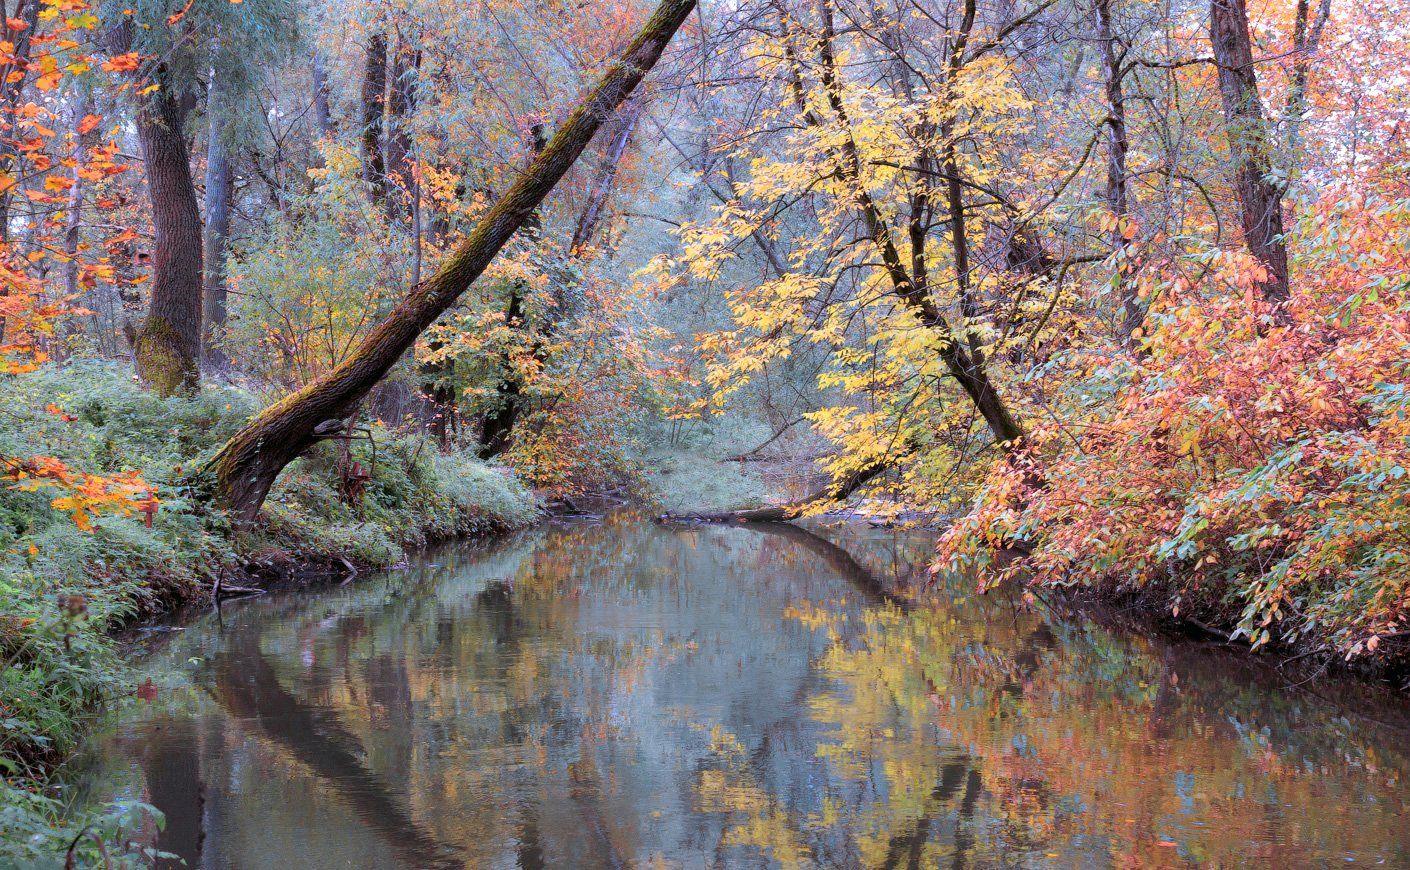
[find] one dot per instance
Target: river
(621, 694)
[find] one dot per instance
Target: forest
(1105, 302)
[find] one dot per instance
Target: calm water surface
(625, 695)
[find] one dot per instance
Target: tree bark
(1307, 36)
(322, 116)
(13, 76)
(246, 467)
(167, 345)
(374, 108)
(1251, 149)
(1117, 195)
(218, 191)
(401, 103)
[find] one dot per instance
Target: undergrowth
(64, 590)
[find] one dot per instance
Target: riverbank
(64, 590)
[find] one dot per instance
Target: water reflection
(625, 695)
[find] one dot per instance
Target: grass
(63, 591)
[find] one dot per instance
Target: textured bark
(908, 284)
(167, 345)
(401, 103)
(1251, 149)
(218, 190)
(965, 368)
(248, 464)
(374, 108)
(73, 218)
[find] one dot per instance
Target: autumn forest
(1097, 308)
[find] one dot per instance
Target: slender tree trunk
(1251, 149)
(1117, 146)
(591, 214)
(13, 76)
(218, 191)
(968, 371)
(497, 428)
(1307, 36)
(401, 103)
(246, 467)
(374, 107)
(12, 82)
(73, 217)
(322, 116)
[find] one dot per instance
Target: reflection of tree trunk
(909, 846)
(245, 683)
(839, 560)
(247, 466)
(171, 765)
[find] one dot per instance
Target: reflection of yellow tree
(758, 820)
(1082, 741)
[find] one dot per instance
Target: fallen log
(836, 491)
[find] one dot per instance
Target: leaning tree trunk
(246, 467)
(168, 343)
(1251, 148)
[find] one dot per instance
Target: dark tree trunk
(218, 190)
(497, 428)
(1251, 149)
(374, 108)
(322, 116)
(248, 464)
(1307, 36)
(167, 345)
(73, 218)
(966, 369)
(405, 66)
(12, 80)
(1117, 146)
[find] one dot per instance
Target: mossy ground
(63, 591)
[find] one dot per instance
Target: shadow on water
(621, 694)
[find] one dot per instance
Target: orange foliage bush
(1253, 470)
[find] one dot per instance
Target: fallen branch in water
(833, 492)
